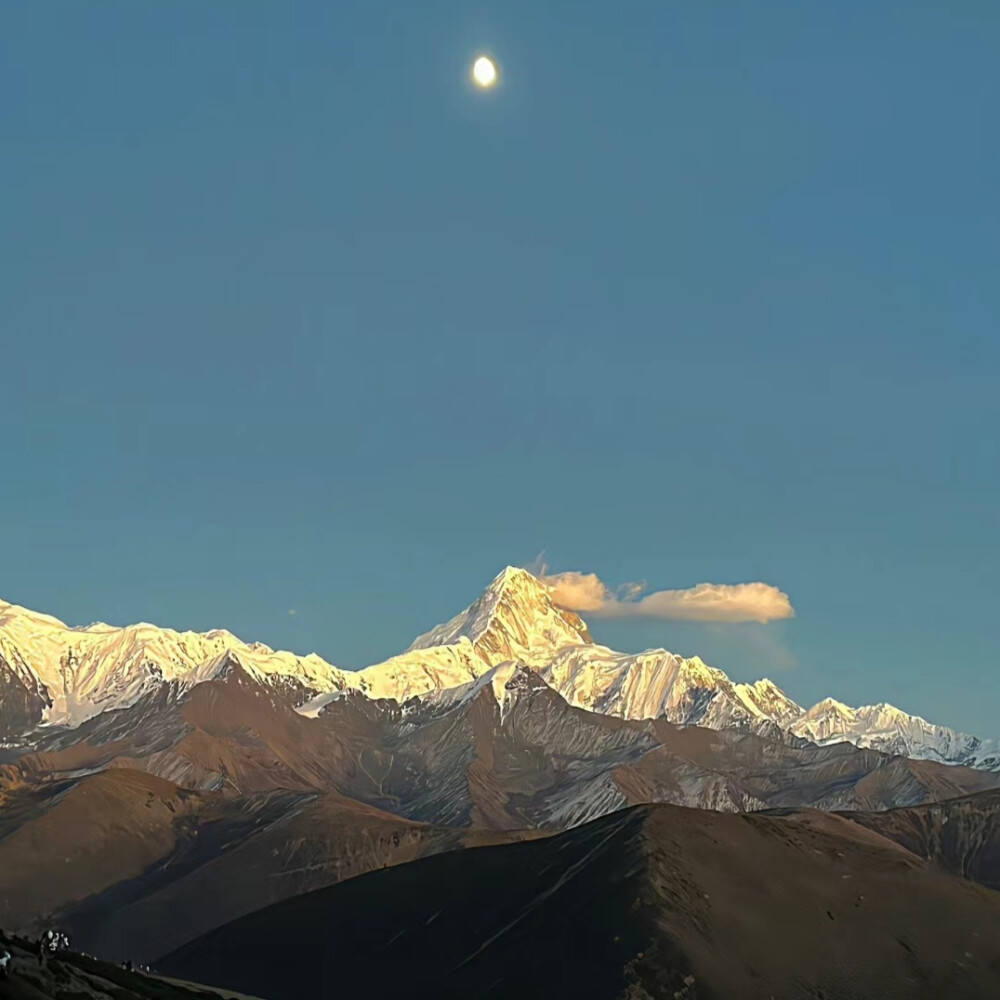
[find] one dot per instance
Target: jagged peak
(525, 679)
(512, 615)
(831, 705)
(87, 670)
(516, 575)
(218, 667)
(696, 668)
(766, 689)
(512, 682)
(511, 582)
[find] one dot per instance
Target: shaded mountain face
(962, 834)
(64, 676)
(654, 902)
(23, 700)
(510, 753)
(129, 864)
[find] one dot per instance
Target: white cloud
(292, 611)
(706, 602)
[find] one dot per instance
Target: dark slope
(541, 920)
(62, 841)
(962, 834)
(235, 866)
(655, 902)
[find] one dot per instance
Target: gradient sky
(292, 319)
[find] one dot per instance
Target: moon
(484, 72)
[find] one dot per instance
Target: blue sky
(291, 318)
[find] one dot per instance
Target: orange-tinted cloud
(707, 602)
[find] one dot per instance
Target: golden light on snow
(484, 72)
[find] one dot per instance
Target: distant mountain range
(55, 676)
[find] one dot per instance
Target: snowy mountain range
(53, 675)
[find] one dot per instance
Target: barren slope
(650, 902)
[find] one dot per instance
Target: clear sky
(293, 319)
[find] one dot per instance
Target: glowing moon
(484, 72)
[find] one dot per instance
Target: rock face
(64, 676)
(23, 700)
(653, 902)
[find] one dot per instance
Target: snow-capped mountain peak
(50, 672)
(26, 621)
(891, 730)
(765, 700)
(513, 619)
(658, 683)
(832, 705)
(76, 673)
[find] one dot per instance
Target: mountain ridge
(650, 902)
(122, 828)
(57, 675)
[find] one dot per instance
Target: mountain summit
(513, 619)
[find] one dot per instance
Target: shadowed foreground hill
(652, 902)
